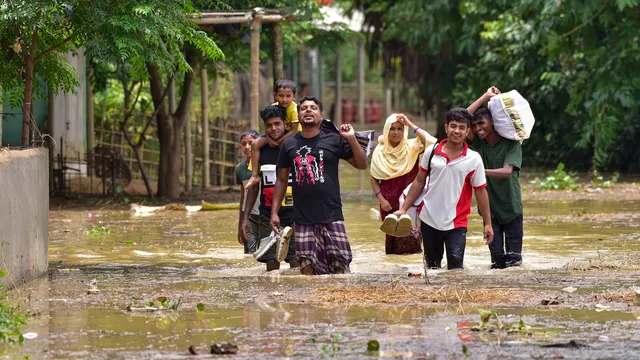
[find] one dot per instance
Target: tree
(576, 62)
(157, 38)
(33, 35)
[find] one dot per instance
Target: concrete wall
(24, 214)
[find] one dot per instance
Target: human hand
(245, 229)
(488, 234)
(400, 212)
(491, 92)
(402, 119)
(347, 131)
(272, 142)
(240, 238)
(384, 204)
(275, 223)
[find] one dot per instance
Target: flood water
(142, 258)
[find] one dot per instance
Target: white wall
(69, 111)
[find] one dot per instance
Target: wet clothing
(316, 187)
(269, 156)
(392, 190)
(447, 203)
(264, 230)
(325, 246)
(435, 241)
(243, 174)
(505, 198)
(251, 244)
(505, 195)
(507, 236)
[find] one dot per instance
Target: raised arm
(359, 160)
(422, 134)
(491, 92)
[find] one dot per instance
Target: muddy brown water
(272, 315)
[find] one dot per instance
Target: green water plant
(163, 303)
(558, 179)
(597, 179)
(10, 319)
(98, 230)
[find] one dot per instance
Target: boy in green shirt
(502, 160)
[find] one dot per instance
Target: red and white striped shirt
(447, 203)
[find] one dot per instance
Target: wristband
(416, 130)
(378, 193)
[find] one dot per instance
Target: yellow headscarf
(388, 162)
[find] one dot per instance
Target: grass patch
(399, 293)
(603, 263)
(10, 318)
(623, 296)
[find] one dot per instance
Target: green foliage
(10, 319)
(41, 31)
(165, 304)
(200, 307)
(98, 230)
(600, 180)
(557, 179)
(574, 62)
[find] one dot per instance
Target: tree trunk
(170, 128)
(28, 91)
(276, 52)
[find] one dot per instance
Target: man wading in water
(453, 170)
(322, 246)
(502, 159)
(273, 117)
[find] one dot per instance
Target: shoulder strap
(433, 151)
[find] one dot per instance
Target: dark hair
(254, 134)
(482, 112)
(284, 84)
(273, 111)
(310, 98)
(458, 114)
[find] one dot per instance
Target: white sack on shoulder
(512, 116)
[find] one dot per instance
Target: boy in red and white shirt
(454, 171)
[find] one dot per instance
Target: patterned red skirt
(391, 190)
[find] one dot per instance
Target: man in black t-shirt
(312, 157)
(273, 117)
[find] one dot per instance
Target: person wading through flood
(502, 159)
(394, 165)
(243, 174)
(322, 246)
(453, 170)
(273, 117)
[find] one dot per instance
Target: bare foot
(253, 181)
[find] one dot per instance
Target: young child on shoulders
(285, 94)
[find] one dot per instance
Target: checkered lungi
(322, 245)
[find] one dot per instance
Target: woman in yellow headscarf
(394, 165)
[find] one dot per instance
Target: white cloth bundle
(512, 116)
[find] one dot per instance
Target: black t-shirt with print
(269, 156)
(313, 163)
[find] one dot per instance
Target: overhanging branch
(53, 48)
